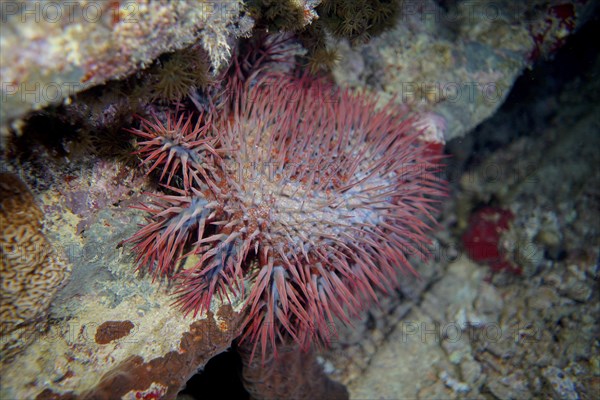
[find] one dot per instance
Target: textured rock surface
(82, 352)
(458, 62)
(54, 49)
(470, 333)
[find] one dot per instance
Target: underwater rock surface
(525, 330)
(54, 49)
(112, 332)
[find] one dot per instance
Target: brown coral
(30, 271)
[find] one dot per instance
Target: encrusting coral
(30, 270)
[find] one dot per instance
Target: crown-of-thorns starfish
(312, 195)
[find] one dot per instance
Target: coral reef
(503, 335)
(87, 335)
(31, 271)
(136, 377)
(88, 350)
(112, 332)
(458, 62)
(52, 50)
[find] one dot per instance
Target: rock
(109, 331)
(562, 385)
(53, 50)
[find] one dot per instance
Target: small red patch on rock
(482, 238)
(550, 33)
(112, 330)
(175, 368)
